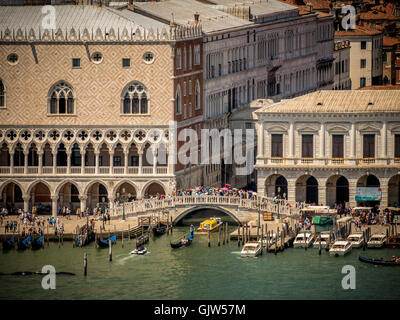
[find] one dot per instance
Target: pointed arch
(34, 183)
(135, 99)
(61, 98)
(2, 94)
(178, 100)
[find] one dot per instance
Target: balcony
(338, 161)
(75, 170)
(307, 160)
(368, 161)
(278, 160)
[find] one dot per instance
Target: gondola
(159, 231)
(380, 262)
(37, 243)
(8, 244)
(104, 243)
(179, 243)
(24, 244)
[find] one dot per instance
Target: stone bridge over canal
(241, 210)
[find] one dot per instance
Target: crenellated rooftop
(87, 23)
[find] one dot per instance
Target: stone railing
(264, 204)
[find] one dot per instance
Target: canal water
(196, 272)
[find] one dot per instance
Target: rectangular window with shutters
(369, 146)
(397, 145)
(277, 145)
(337, 146)
(307, 146)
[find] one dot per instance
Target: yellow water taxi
(209, 225)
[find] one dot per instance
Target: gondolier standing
(191, 230)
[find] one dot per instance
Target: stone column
(83, 202)
(26, 202)
(353, 140)
(82, 161)
(26, 162)
(171, 165)
(40, 158)
(385, 192)
(126, 159)
(97, 154)
(68, 162)
(140, 153)
(54, 206)
(54, 161)
(322, 141)
(291, 190)
(352, 192)
(111, 162)
(384, 139)
(291, 140)
(260, 143)
(11, 162)
(322, 192)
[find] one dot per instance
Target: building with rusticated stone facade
(331, 147)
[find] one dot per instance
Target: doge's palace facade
(83, 109)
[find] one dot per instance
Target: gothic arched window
(178, 101)
(61, 99)
(2, 95)
(135, 99)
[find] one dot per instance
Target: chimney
(196, 18)
(172, 22)
(309, 6)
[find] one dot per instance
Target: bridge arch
(203, 207)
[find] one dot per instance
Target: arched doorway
(368, 191)
(126, 191)
(40, 198)
(12, 197)
(154, 189)
(97, 195)
(312, 190)
(394, 191)
(68, 196)
(307, 189)
(337, 190)
(276, 185)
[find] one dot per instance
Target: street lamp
(122, 199)
(278, 197)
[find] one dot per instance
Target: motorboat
(377, 241)
(251, 249)
(210, 225)
(139, 250)
(356, 239)
(340, 248)
(324, 241)
(303, 239)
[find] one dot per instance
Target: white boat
(324, 241)
(356, 239)
(251, 249)
(303, 239)
(139, 251)
(340, 248)
(377, 241)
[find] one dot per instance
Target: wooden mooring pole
(319, 244)
(110, 249)
(219, 237)
(122, 238)
(239, 235)
(227, 233)
(129, 232)
(85, 264)
(208, 235)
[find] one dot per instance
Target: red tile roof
(390, 41)
(358, 31)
